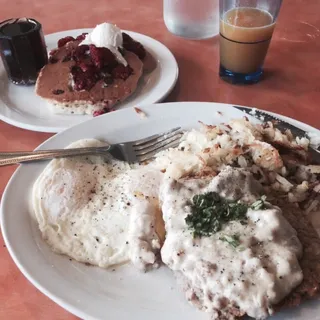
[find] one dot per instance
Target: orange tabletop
(291, 87)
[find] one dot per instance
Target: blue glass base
(240, 78)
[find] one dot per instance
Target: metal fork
(132, 151)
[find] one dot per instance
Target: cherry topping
(81, 36)
(122, 72)
(101, 56)
(79, 53)
(99, 112)
(64, 41)
(107, 79)
(94, 63)
(84, 80)
(53, 52)
(87, 67)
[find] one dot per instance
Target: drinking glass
(192, 19)
(246, 28)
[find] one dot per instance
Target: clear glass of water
(192, 19)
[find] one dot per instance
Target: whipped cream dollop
(109, 36)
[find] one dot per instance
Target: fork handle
(9, 158)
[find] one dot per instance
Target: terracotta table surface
(291, 87)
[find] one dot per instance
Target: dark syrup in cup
(23, 49)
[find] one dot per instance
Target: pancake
(55, 83)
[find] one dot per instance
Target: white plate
(21, 107)
(90, 292)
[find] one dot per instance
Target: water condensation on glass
(193, 19)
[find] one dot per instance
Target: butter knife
(282, 126)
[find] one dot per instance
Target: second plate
(21, 107)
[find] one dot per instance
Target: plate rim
(15, 256)
(56, 129)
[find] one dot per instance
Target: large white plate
(90, 292)
(21, 107)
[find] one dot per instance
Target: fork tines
(148, 147)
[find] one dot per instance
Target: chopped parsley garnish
(209, 212)
(232, 240)
(259, 204)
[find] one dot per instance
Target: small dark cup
(23, 49)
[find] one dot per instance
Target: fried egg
(98, 210)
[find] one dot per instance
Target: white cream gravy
(252, 277)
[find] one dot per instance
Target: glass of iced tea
(246, 28)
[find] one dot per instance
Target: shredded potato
(277, 159)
